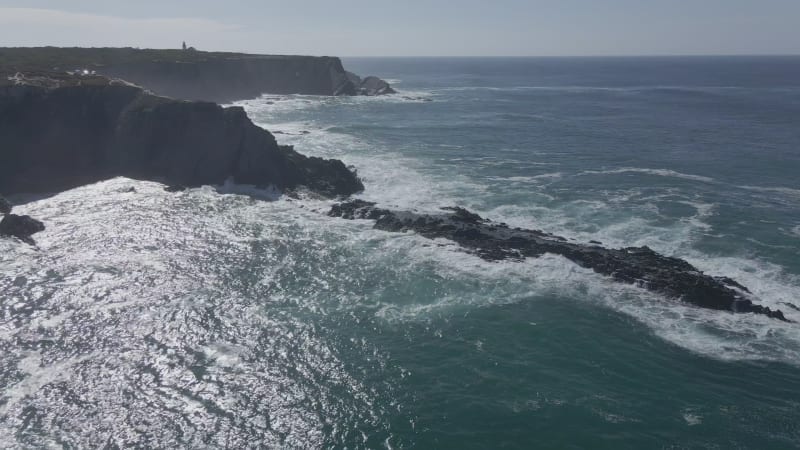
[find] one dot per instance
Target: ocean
(236, 317)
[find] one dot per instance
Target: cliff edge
(195, 75)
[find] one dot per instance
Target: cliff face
(195, 75)
(61, 132)
(226, 80)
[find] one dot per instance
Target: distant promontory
(219, 77)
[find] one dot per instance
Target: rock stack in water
(371, 86)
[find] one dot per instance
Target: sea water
(236, 317)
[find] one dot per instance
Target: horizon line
(607, 55)
(610, 55)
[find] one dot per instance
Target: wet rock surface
(370, 86)
(375, 86)
(640, 266)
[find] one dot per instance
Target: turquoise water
(237, 317)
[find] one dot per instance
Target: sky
(414, 27)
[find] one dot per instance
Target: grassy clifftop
(42, 59)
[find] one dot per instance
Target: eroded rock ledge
(639, 266)
(62, 131)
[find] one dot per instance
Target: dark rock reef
(61, 131)
(639, 266)
(197, 75)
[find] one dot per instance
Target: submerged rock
(21, 227)
(59, 131)
(640, 266)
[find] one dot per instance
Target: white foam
(224, 354)
(409, 188)
(704, 211)
(657, 172)
(789, 192)
(534, 179)
(715, 334)
(270, 106)
(496, 283)
(395, 182)
(691, 418)
(399, 182)
(712, 333)
(404, 183)
(769, 282)
(36, 376)
(578, 221)
(270, 193)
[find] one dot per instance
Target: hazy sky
(414, 27)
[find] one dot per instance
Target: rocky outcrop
(375, 86)
(59, 132)
(196, 75)
(20, 227)
(370, 85)
(639, 266)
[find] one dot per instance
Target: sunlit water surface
(235, 317)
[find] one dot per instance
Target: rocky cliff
(62, 131)
(195, 75)
(370, 85)
(226, 80)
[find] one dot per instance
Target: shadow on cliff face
(62, 132)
